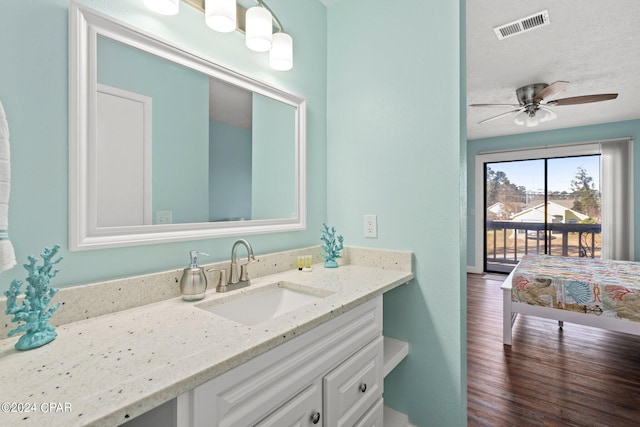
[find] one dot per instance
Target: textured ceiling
(593, 44)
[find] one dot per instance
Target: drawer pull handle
(315, 417)
(363, 387)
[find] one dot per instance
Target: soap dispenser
(193, 283)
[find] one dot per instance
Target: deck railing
(508, 241)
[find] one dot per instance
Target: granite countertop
(109, 369)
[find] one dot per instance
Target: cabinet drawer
(354, 386)
(373, 418)
(301, 411)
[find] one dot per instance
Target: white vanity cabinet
(331, 375)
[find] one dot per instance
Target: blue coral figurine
(331, 245)
(34, 310)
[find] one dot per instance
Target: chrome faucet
(237, 280)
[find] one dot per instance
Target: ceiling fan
(533, 103)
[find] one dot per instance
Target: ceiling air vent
(523, 25)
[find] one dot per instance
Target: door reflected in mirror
(167, 145)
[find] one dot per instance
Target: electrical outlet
(164, 217)
(370, 226)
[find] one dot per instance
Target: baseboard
(474, 270)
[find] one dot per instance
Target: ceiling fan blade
(583, 99)
(550, 90)
(508, 113)
(494, 105)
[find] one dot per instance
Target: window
(547, 206)
(546, 223)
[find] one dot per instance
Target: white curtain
(617, 199)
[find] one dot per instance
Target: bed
(586, 291)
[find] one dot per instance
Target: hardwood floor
(577, 376)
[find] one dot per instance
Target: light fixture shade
(259, 29)
(281, 53)
(220, 15)
(163, 7)
(520, 118)
(532, 121)
(547, 115)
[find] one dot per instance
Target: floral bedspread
(600, 287)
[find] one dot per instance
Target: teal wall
(180, 125)
(604, 131)
(34, 92)
(394, 149)
(229, 172)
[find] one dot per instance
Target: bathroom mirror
(166, 145)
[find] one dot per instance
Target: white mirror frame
(85, 25)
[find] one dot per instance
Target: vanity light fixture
(259, 31)
(281, 53)
(220, 15)
(262, 28)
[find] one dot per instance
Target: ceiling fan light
(220, 15)
(259, 29)
(163, 7)
(281, 53)
(548, 115)
(543, 115)
(532, 121)
(520, 118)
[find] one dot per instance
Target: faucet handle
(244, 275)
(222, 279)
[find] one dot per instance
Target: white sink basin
(254, 306)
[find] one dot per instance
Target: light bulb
(220, 15)
(532, 121)
(259, 29)
(281, 53)
(520, 118)
(548, 115)
(163, 7)
(543, 115)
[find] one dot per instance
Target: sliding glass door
(544, 206)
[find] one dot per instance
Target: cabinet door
(301, 411)
(373, 418)
(354, 386)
